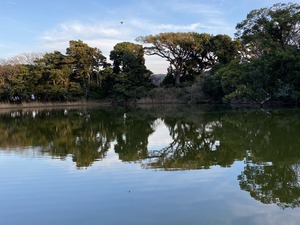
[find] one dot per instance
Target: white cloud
(77, 29)
(104, 35)
(154, 28)
(209, 17)
(160, 138)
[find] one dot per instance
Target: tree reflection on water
(267, 143)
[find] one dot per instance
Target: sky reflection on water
(123, 185)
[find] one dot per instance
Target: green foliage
(85, 61)
(131, 78)
(174, 47)
(13, 85)
(190, 54)
(213, 89)
(262, 64)
(168, 80)
(274, 76)
(51, 77)
(272, 70)
(224, 48)
(269, 28)
(127, 56)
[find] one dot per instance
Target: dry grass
(184, 95)
(50, 104)
(151, 101)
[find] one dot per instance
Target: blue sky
(48, 25)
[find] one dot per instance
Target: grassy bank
(23, 105)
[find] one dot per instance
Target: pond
(160, 165)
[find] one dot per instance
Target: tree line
(261, 64)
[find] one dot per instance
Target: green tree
(131, 77)
(51, 78)
(7, 73)
(211, 52)
(223, 82)
(274, 76)
(174, 47)
(271, 70)
(190, 54)
(13, 83)
(224, 49)
(266, 29)
(129, 58)
(86, 63)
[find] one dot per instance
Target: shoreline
(79, 104)
(45, 105)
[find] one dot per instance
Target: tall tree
(86, 60)
(270, 28)
(174, 47)
(129, 58)
(9, 79)
(131, 74)
(270, 38)
(224, 49)
(201, 56)
(189, 54)
(51, 77)
(208, 51)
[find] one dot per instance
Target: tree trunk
(178, 72)
(177, 78)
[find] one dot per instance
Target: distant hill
(157, 78)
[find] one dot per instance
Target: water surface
(149, 166)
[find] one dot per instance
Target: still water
(149, 166)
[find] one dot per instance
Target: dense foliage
(81, 73)
(269, 63)
(262, 64)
